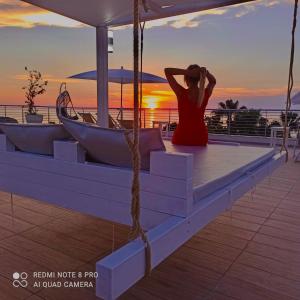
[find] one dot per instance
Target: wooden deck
(252, 252)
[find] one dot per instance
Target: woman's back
(191, 129)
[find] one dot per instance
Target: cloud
(49, 78)
(235, 92)
(187, 21)
(196, 19)
(20, 14)
(230, 92)
(244, 9)
(162, 93)
(12, 13)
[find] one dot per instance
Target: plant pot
(36, 118)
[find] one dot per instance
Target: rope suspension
(142, 28)
(137, 229)
(290, 83)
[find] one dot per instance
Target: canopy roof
(119, 12)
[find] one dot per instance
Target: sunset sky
(246, 47)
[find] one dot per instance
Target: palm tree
(229, 109)
(230, 104)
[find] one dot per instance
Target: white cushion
(110, 146)
(35, 138)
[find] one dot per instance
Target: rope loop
(133, 143)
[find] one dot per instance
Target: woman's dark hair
(191, 79)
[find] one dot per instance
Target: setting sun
(151, 102)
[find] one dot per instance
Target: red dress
(191, 130)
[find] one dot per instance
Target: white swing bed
(185, 189)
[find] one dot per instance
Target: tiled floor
(250, 253)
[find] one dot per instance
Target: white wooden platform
(185, 189)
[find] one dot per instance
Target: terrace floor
(252, 252)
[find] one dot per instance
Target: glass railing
(252, 122)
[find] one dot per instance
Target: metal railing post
(23, 114)
(48, 115)
(266, 125)
(229, 123)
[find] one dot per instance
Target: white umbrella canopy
(121, 76)
(296, 99)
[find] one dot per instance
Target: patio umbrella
(121, 76)
(296, 99)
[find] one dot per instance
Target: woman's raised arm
(170, 73)
(211, 83)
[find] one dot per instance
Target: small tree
(36, 86)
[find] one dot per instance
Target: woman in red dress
(191, 130)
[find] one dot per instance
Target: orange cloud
(154, 95)
(234, 92)
(12, 13)
(49, 78)
(20, 14)
(166, 98)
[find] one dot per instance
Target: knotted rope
(136, 229)
(290, 83)
(142, 28)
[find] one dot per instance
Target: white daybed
(183, 190)
(186, 188)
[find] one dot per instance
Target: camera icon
(20, 279)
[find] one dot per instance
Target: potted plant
(36, 86)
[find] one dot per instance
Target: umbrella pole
(122, 101)
(121, 109)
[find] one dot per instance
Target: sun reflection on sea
(151, 103)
